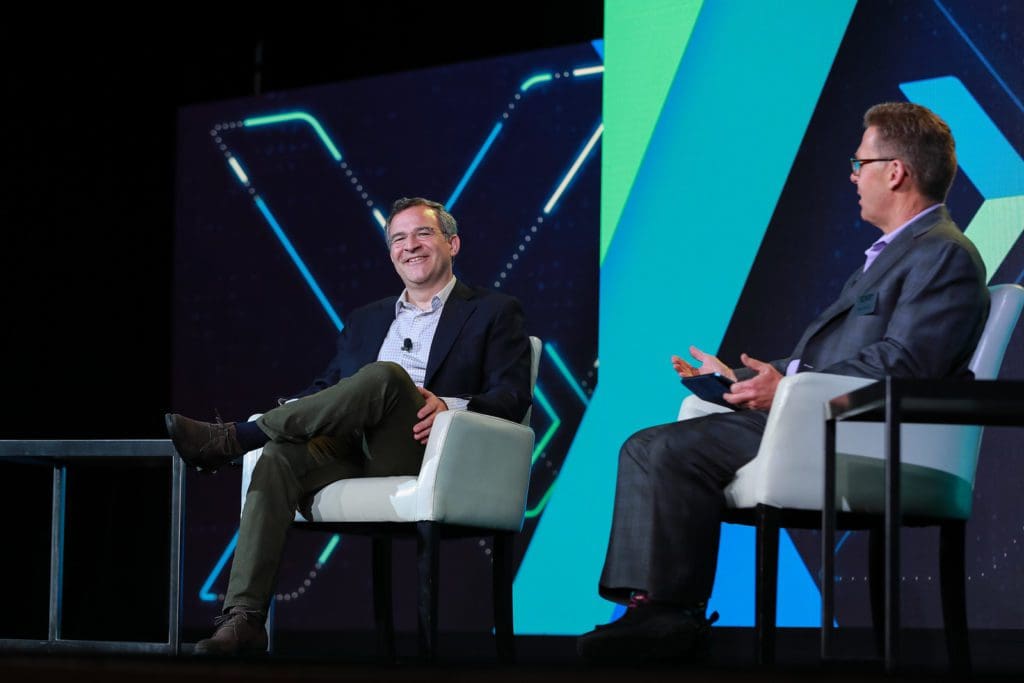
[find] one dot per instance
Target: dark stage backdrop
(281, 201)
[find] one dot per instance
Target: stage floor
(350, 657)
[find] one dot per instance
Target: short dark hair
(921, 140)
(449, 228)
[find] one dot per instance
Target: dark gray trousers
(669, 503)
(317, 440)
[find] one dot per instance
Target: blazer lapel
(457, 309)
(861, 281)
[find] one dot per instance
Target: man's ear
(899, 174)
(456, 244)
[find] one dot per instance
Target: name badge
(866, 304)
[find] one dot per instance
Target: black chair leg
(428, 537)
(876, 585)
(952, 579)
(766, 588)
(383, 611)
(501, 592)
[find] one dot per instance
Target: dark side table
(59, 454)
(894, 402)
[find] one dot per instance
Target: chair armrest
(693, 406)
(476, 471)
(248, 463)
(789, 466)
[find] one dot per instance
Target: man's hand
(757, 392)
(708, 365)
(433, 406)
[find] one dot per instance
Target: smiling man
(916, 308)
(440, 345)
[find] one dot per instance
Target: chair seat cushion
(374, 499)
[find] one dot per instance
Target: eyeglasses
(421, 234)
(856, 163)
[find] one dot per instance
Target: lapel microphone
(407, 344)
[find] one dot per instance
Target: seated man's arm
(505, 386)
(936, 322)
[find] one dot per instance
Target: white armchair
(473, 482)
(782, 487)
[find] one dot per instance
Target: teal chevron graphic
(987, 158)
(690, 161)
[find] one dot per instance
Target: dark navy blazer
(480, 350)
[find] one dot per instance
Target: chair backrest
(536, 347)
(1007, 302)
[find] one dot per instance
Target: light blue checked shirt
(418, 326)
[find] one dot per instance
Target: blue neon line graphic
(204, 593)
(544, 403)
(556, 422)
(970, 43)
(842, 540)
(237, 168)
(534, 80)
(560, 364)
(329, 548)
(296, 116)
(574, 169)
(321, 297)
(472, 167)
(379, 217)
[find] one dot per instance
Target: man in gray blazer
(915, 309)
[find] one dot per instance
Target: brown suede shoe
(204, 445)
(240, 631)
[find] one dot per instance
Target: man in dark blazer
(440, 345)
(915, 309)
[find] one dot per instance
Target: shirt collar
(436, 302)
(888, 238)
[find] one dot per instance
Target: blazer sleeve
(935, 324)
(506, 383)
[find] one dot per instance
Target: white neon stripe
(588, 70)
(380, 218)
(237, 168)
(575, 167)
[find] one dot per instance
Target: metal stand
(58, 454)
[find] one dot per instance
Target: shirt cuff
(455, 403)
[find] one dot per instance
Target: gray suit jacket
(918, 311)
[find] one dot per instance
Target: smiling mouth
(416, 259)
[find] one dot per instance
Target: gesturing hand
(708, 365)
(433, 406)
(757, 392)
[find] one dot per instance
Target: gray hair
(449, 228)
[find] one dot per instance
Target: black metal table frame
(59, 454)
(894, 402)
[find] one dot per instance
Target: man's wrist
(454, 403)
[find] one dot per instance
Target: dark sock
(250, 435)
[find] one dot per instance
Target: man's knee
(658, 450)
(386, 373)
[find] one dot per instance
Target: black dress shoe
(204, 445)
(650, 632)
